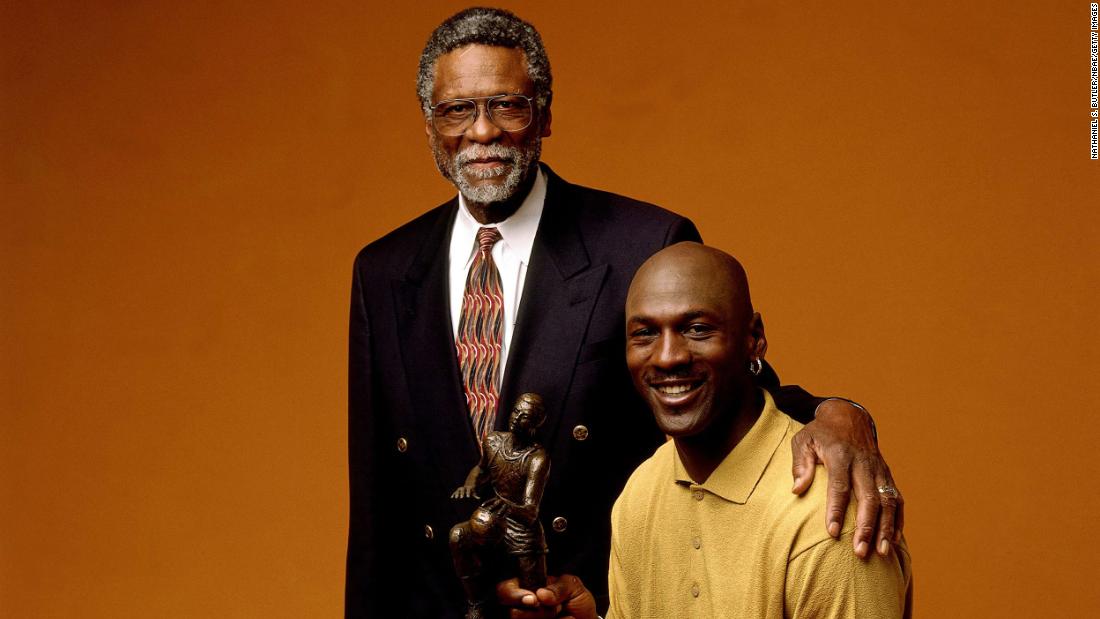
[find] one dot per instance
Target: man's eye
(699, 329)
(509, 103)
(642, 333)
(456, 109)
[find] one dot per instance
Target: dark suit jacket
(410, 439)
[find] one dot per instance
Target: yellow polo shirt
(741, 544)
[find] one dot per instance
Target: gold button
(697, 495)
(696, 543)
(695, 591)
(402, 445)
(428, 532)
(580, 433)
(560, 524)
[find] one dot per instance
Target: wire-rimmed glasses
(453, 117)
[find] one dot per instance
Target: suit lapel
(431, 368)
(559, 294)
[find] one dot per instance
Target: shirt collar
(736, 477)
(518, 231)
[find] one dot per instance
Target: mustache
(487, 151)
(685, 373)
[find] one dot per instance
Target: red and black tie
(480, 332)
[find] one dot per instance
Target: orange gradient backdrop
(185, 186)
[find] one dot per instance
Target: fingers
(839, 464)
(522, 603)
(804, 462)
(890, 518)
(560, 590)
(509, 593)
(806, 452)
(867, 505)
(845, 441)
(570, 595)
(899, 517)
(885, 525)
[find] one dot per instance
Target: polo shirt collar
(736, 477)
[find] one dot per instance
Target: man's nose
(672, 352)
(482, 130)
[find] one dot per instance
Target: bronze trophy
(515, 467)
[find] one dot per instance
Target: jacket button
(428, 532)
(402, 445)
(560, 524)
(580, 433)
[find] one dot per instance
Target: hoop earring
(756, 366)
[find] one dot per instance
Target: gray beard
(520, 162)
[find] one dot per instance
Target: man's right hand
(563, 596)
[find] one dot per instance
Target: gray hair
(485, 26)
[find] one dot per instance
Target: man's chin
(500, 187)
(487, 195)
(678, 421)
(489, 191)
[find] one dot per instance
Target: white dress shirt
(511, 254)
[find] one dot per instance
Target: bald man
(707, 526)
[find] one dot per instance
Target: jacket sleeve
(363, 553)
(791, 399)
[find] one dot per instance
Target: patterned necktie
(480, 331)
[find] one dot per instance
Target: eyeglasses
(508, 112)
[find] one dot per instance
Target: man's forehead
(673, 304)
(486, 55)
(673, 292)
(472, 67)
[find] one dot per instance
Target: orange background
(186, 184)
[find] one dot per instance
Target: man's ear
(758, 343)
(428, 128)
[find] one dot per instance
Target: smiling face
(690, 335)
(487, 164)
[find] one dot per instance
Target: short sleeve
(828, 580)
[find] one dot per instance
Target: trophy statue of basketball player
(516, 468)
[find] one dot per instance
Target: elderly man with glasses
(517, 285)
